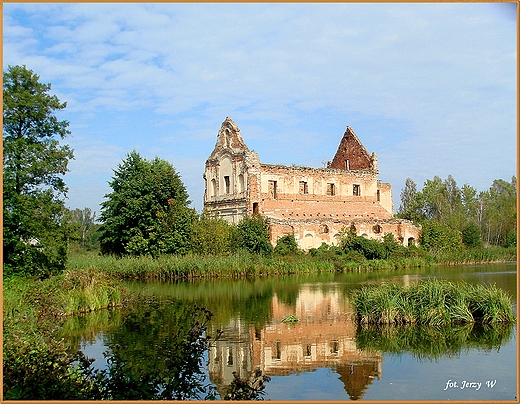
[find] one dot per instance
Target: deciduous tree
(147, 203)
(36, 228)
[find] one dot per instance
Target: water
(324, 356)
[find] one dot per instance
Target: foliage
(439, 237)
(471, 235)
(212, 236)
(147, 203)
(286, 245)
(39, 366)
(432, 302)
(84, 223)
(36, 229)
(460, 208)
(178, 374)
(247, 389)
(252, 234)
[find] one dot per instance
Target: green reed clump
(432, 302)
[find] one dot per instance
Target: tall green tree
(148, 201)
(36, 226)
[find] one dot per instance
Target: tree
(148, 200)
(84, 221)
(408, 195)
(36, 226)
(253, 235)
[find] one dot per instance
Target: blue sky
(431, 88)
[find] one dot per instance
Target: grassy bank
(169, 267)
(432, 302)
(243, 264)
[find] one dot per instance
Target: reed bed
(171, 267)
(432, 302)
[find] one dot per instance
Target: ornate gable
(230, 139)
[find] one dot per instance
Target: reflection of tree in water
(432, 343)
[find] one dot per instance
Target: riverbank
(174, 267)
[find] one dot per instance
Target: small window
(256, 210)
(331, 189)
(304, 189)
(272, 189)
(227, 184)
(377, 229)
(324, 229)
(213, 187)
(378, 194)
(241, 185)
(356, 190)
(347, 165)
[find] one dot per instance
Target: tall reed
(432, 302)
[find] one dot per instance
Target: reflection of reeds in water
(432, 342)
(432, 302)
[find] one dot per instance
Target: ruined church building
(314, 204)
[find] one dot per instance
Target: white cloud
(424, 80)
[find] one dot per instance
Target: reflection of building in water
(323, 337)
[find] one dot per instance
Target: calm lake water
(324, 356)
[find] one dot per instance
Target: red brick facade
(314, 204)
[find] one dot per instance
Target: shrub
(286, 245)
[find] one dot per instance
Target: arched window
(213, 189)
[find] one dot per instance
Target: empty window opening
(377, 229)
(411, 241)
(304, 189)
(331, 189)
(227, 184)
(277, 350)
(334, 347)
(230, 357)
(241, 185)
(273, 185)
(308, 351)
(213, 187)
(324, 229)
(356, 190)
(378, 194)
(256, 209)
(347, 165)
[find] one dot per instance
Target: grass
(432, 302)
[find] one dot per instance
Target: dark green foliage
(286, 245)
(37, 366)
(471, 235)
(253, 235)
(247, 389)
(493, 211)
(36, 229)
(437, 237)
(212, 236)
(147, 202)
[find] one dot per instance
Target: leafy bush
(438, 237)
(253, 235)
(286, 245)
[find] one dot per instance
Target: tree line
(148, 210)
(465, 215)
